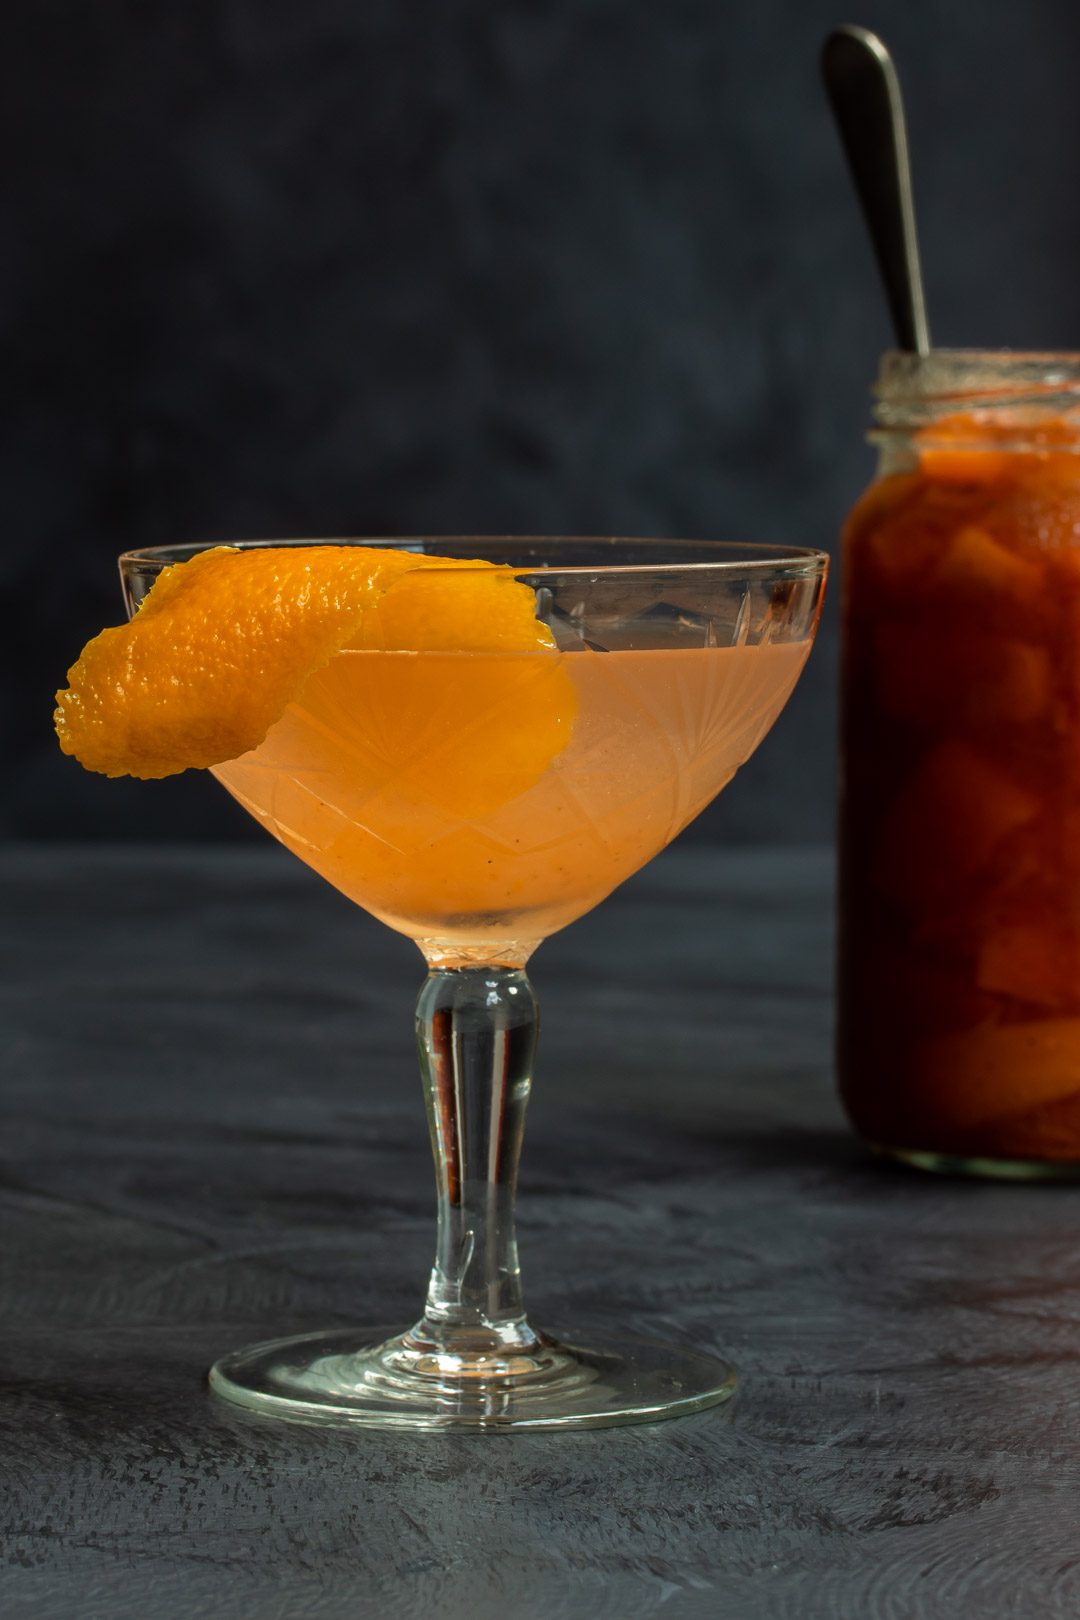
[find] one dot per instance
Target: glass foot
(378, 1380)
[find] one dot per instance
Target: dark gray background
(393, 266)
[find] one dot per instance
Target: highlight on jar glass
(476, 740)
(959, 957)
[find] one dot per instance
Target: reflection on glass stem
(476, 1033)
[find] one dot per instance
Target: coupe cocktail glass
(402, 777)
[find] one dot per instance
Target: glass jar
(959, 962)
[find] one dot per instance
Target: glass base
(974, 1164)
(378, 1380)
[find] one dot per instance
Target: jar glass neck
(1016, 401)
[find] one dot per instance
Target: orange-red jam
(959, 1028)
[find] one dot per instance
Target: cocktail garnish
(225, 642)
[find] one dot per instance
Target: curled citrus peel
(226, 641)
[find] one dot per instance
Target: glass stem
(476, 1031)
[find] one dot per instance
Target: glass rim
(974, 377)
(1001, 356)
(753, 559)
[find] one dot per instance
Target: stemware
(477, 801)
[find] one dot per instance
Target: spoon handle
(864, 92)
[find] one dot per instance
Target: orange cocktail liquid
(390, 776)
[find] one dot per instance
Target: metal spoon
(864, 92)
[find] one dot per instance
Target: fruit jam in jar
(959, 981)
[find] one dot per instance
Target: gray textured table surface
(213, 1133)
